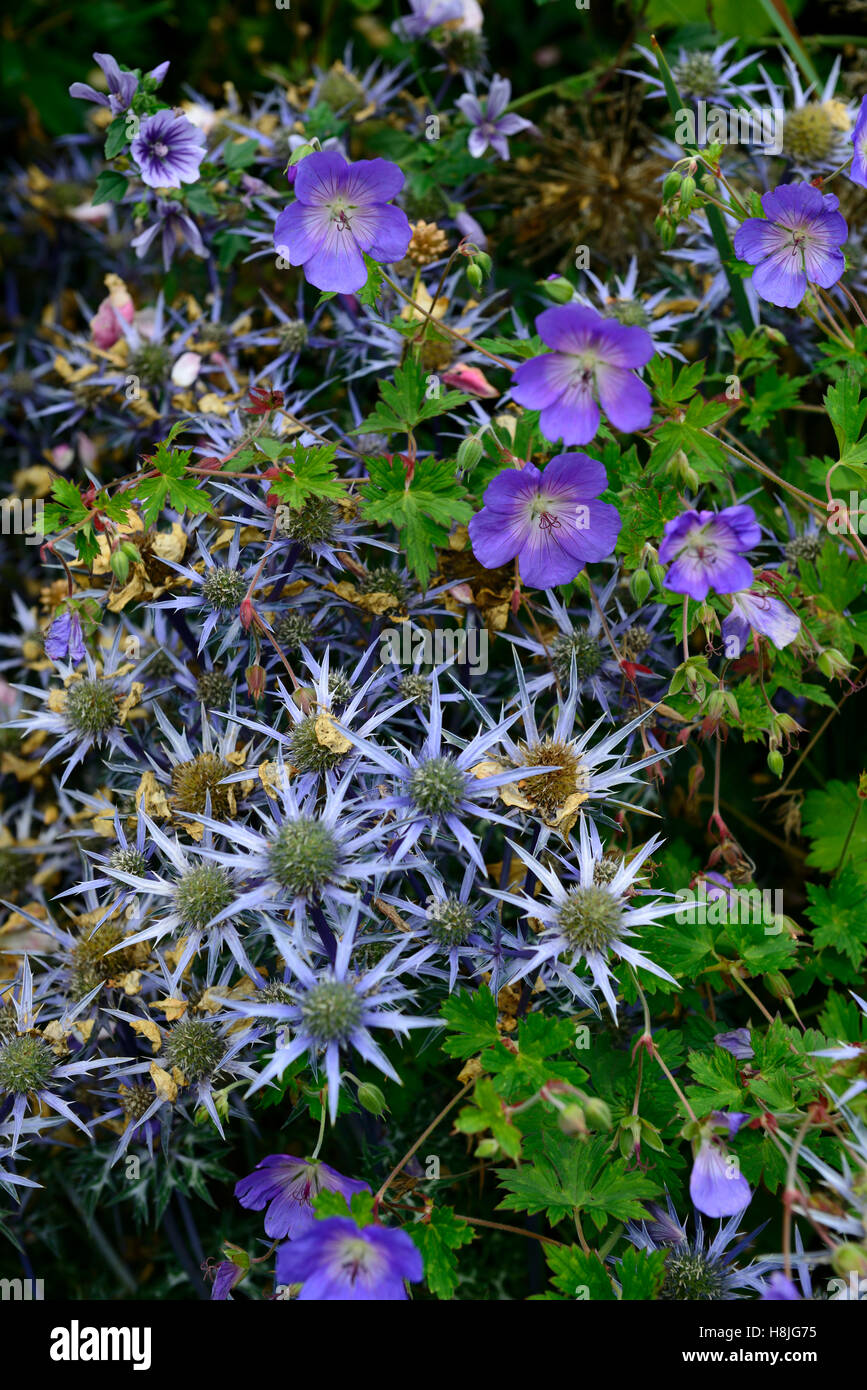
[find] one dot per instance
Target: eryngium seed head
(590, 919)
(312, 524)
(383, 580)
(806, 547)
(136, 1100)
(549, 792)
(697, 75)
(809, 133)
(150, 363)
(8, 1023)
(91, 964)
(634, 642)
(690, 1278)
(451, 921)
(129, 861)
(26, 1064)
(588, 654)
(415, 687)
(630, 312)
(339, 687)
(294, 630)
(214, 688)
(195, 1046)
(293, 335)
(307, 753)
(304, 856)
(330, 1011)
(201, 894)
(223, 588)
(91, 706)
(193, 781)
(437, 786)
(17, 867)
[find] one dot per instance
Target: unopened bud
(849, 1259)
(372, 1098)
(775, 762)
(597, 1113)
(119, 565)
(488, 1148)
(571, 1119)
(469, 453)
(475, 277)
(640, 586)
(671, 185)
(557, 288)
(657, 575)
(777, 985)
(833, 663)
(255, 677)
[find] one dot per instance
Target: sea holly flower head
(705, 551)
(551, 520)
(592, 364)
(342, 212)
(337, 1260)
(168, 150)
(286, 1185)
(796, 243)
(858, 167)
(486, 116)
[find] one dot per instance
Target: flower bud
(687, 191)
(301, 153)
(571, 1119)
(849, 1259)
(833, 663)
(597, 1113)
(775, 762)
(372, 1098)
(657, 575)
(484, 262)
(469, 453)
(640, 586)
(475, 277)
(119, 565)
(671, 185)
(488, 1148)
(557, 288)
(777, 985)
(255, 678)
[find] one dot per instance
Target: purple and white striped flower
(168, 150)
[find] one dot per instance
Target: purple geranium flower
(342, 210)
(335, 1259)
(64, 640)
(858, 168)
(706, 549)
(168, 150)
(491, 126)
(716, 1187)
(593, 359)
(779, 1289)
(122, 86)
(287, 1186)
(225, 1276)
(763, 614)
(737, 1042)
(550, 520)
(797, 242)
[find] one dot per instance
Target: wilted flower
(760, 613)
